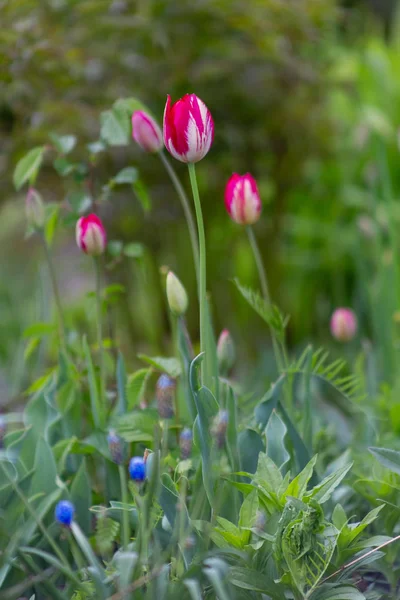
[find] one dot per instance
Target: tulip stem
(186, 209)
(99, 325)
(56, 293)
(202, 261)
(265, 290)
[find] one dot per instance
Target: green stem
(265, 291)
(125, 515)
(186, 209)
(56, 293)
(99, 325)
(202, 263)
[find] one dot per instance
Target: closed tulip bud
(242, 199)
(219, 427)
(185, 443)
(225, 352)
(34, 209)
(64, 513)
(146, 132)
(137, 469)
(176, 295)
(343, 324)
(165, 393)
(188, 129)
(115, 447)
(91, 235)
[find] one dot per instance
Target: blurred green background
(305, 95)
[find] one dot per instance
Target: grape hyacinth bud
(64, 512)
(225, 352)
(146, 132)
(176, 295)
(137, 469)
(188, 128)
(343, 324)
(185, 443)
(115, 447)
(219, 427)
(91, 235)
(242, 199)
(165, 393)
(34, 209)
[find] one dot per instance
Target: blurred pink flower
(242, 199)
(343, 324)
(91, 235)
(146, 132)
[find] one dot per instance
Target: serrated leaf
(106, 533)
(388, 458)
(115, 127)
(28, 167)
(63, 143)
(170, 366)
(127, 175)
(136, 387)
(323, 491)
(80, 201)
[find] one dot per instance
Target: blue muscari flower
(137, 469)
(185, 442)
(64, 512)
(115, 447)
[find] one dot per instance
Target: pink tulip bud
(91, 235)
(343, 324)
(188, 128)
(146, 132)
(242, 200)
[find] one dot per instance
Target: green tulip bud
(225, 352)
(176, 295)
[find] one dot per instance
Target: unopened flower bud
(146, 132)
(242, 199)
(115, 446)
(34, 209)
(137, 469)
(91, 235)
(260, 521)
(219, 427)
(165, 393)
(64, 512)
(225, 352)
(343, 324)
(185, 443)
(176, 295)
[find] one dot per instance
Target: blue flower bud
(137, 469)
(116, 448)
(64, 512)
(185, 443)
(165, 392)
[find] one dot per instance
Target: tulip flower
(146, 132)
(64, 512)
(343, 324)
(91, 235)
(188, 128)
(242, 199)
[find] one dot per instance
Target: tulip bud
(64, 512)
(115, 447)
(176, 295)
(146, 132)
(188, 128)
(242, 199)
(343, 324)
(137, 469)
(219, 427)
(165, 392)
(185, 443)
(34, 209)
(225, 352)
(91, 235)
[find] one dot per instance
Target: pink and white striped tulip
(343, 324)
(146, 132)
(91, 235)
(188, 128)
(242, 199)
